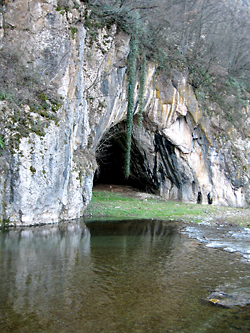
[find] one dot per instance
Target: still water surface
(126, 276)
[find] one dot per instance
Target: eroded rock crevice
(111, 160)
(156, 165)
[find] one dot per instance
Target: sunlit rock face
(49, 175)
(46, 178)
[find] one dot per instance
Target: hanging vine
(131, 92)
(142, 81)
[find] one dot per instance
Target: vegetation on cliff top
(207, 39)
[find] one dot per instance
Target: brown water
(136, 276)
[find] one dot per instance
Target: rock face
(48, 177)
(48, 166)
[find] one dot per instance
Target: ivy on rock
(132, 59)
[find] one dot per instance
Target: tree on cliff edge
(209, 39)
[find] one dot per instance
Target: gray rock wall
(46, 177)
(49, 177)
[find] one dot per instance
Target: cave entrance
(110, 156)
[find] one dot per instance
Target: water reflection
(131, 276)
(36, 262)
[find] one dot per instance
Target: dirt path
(125, 190)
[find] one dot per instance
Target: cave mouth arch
(110, 156)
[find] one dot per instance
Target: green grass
(108, 205)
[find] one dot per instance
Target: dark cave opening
(110, 156)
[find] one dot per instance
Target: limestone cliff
(62, 93)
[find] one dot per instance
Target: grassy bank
(109, 205)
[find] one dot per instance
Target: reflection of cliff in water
(40, 260)
(150, 228)
(130, 247)
(126, 276)
(45, 262)
(143, 234)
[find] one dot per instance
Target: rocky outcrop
(48, 167)
(193, 162)
(50, 172)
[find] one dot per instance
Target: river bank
(111, 202)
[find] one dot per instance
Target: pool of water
(125, 276)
